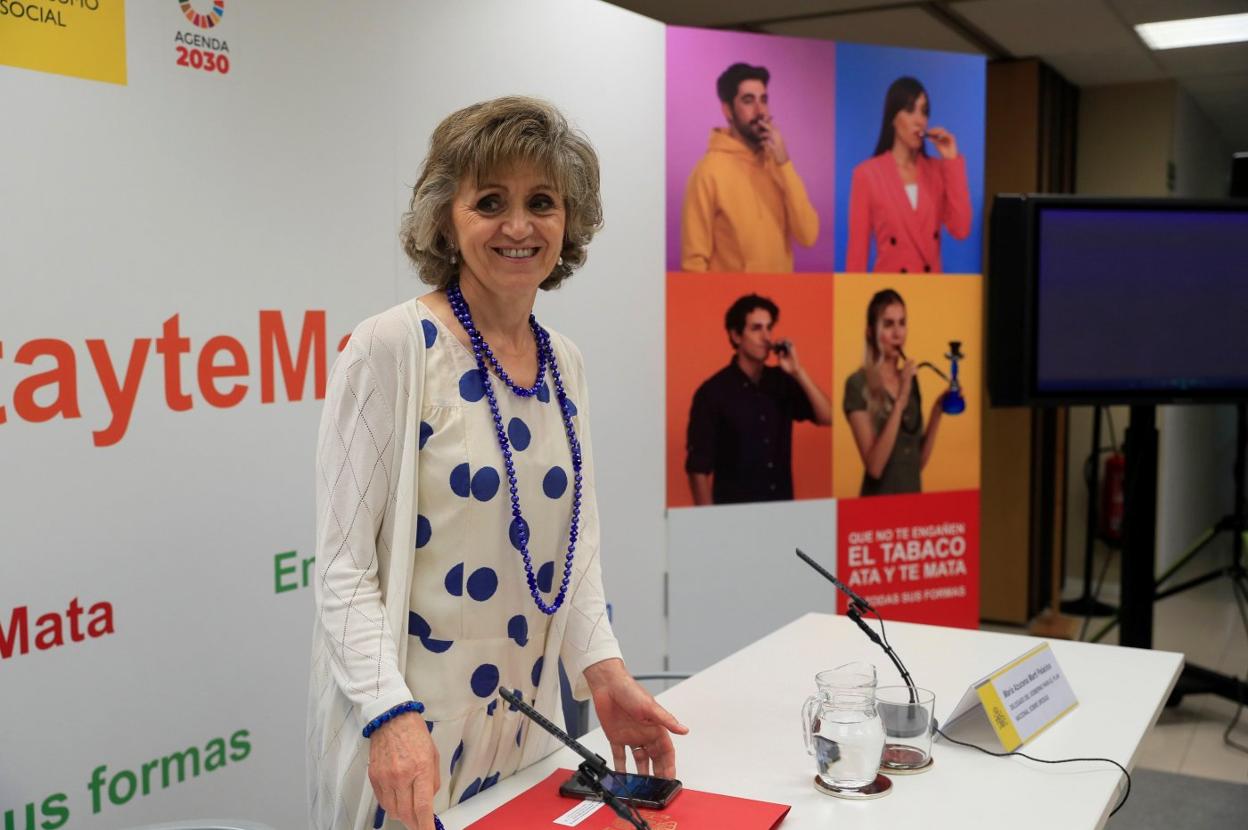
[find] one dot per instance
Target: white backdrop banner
(185, 243)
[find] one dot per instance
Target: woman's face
(910, 124)
(508, 227)
(890, 331)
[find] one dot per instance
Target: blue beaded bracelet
(385, 717)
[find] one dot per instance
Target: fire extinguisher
(1113, 483)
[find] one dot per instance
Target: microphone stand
(857, 605)
(855, 614)
(592, 770)
(900, 720)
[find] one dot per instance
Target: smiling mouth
(517, 253)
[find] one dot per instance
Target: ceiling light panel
(1195, 31)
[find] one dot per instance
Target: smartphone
(637, 790)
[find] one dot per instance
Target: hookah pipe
(952, 403)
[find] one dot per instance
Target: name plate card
(1021, 699)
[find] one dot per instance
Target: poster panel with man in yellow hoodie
(758, 195)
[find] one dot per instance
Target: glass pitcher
(851, 677)
(848, 677)
(841, 727)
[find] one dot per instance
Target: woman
(883, 406)
(457, 547)
(901, 196)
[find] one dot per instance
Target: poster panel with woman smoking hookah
(909, 196)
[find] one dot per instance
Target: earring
(560, 262)
(454, 259)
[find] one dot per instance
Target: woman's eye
(489, 204)
(542, 202)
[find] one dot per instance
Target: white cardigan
(366, 502)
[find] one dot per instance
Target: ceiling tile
(1084, 69)
(910, 27)
(735, 12)
(1050, 27)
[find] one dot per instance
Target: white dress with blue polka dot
(471, 611)
(471, 624)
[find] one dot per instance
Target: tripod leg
(1188, 555)
(1105, 629)
(1240, 590)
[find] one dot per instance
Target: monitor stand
(1139, 544)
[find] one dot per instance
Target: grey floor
(1169, 800)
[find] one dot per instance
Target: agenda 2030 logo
(198, 51)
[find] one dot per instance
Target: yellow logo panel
(80, 38)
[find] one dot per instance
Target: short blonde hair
(483, 139)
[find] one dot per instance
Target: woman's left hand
(633, 720)
(944, 141)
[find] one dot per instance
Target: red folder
(539, 806)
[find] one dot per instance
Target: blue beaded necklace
(545, 357)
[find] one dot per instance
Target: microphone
(591, 771)
(841, 586)
(854, 612)
(592, 758)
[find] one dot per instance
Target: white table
(743, 715)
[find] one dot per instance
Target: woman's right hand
(945, 143)
(403, 769)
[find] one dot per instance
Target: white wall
(211, 197)
(735, 578)
(1202, 158)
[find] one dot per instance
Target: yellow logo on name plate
(80, 38)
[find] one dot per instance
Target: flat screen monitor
(1124, 300)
